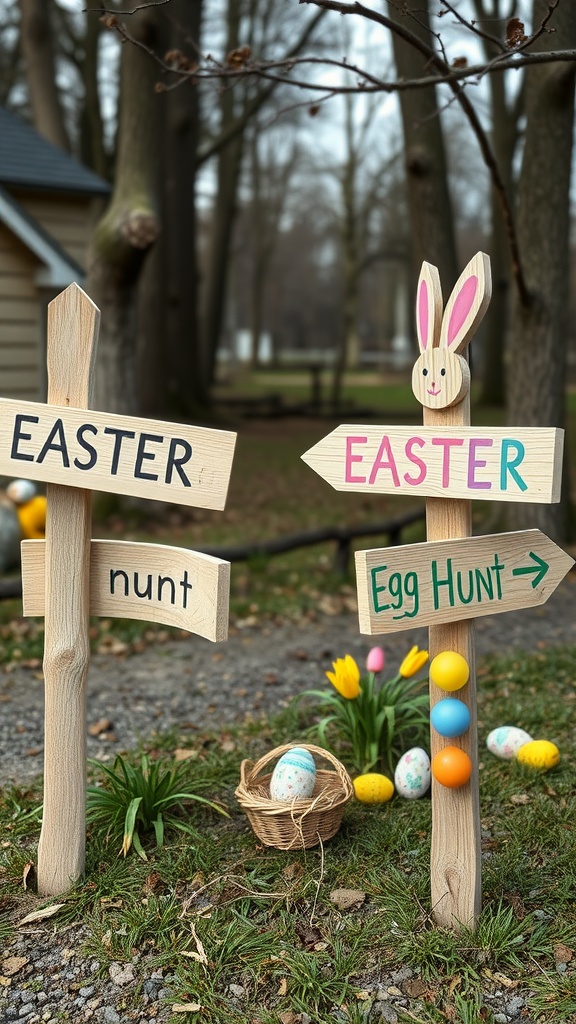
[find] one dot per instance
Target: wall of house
(21, 350)
(68, 220)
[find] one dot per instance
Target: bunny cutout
(441, 376)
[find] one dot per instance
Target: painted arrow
(540, 569)
(445, 581)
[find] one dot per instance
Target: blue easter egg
(450, 717)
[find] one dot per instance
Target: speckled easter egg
(506, 740)
(373, 788)
(539, 754)
(294, 776)
(412, 775)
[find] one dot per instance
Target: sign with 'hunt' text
(420, 584)
(154, 582)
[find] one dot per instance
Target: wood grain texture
(455, 857)
(61, 444)
(427, 584)
(73, 322)
(443, 459)
(154, 582)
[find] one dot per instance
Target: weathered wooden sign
(68, 576)
(123, 454)
(453, 578)
(154, 582)
(426, 584)
(496, 464)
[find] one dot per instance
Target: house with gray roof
(49, 203)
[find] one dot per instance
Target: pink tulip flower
(375, 660)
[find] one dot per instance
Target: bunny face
(440, 378)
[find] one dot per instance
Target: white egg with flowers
(294, 776)
(505, 741)
(412, 775)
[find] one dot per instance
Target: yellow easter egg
(373, 788)
(539, 754)
(449, 670)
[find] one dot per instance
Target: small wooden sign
(154, 582)
(496, 464)
(184, 464)
(442, 581)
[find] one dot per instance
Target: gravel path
(197, 684)
(193, 683)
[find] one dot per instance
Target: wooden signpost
(68, 576)
(454, 577)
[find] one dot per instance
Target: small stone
(26, 1010)
(122, 974)
(500, 1018)
(514, 1007)
(86, 991)
(110, 1016)
(236, 990)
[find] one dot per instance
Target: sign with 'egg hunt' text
(154, 582)
(184, 464)
(440, 581)
(502, 464)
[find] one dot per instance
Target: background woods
(277, 174)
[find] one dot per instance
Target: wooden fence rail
(341, 535)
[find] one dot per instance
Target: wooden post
(441, 382)
(73, 322)
(455, 860)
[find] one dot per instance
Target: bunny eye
(424, 373)
(443, 373)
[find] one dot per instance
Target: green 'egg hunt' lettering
(461, 588)
(402, 587)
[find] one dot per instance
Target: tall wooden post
(455, 859)
(73, 322)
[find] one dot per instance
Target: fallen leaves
(347, 899)
(41, 915)
(13, 964)
(122, 974)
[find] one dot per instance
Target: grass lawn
(215, 909)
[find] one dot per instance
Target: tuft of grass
(134, 800)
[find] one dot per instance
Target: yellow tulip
(345, 677)
(413, 662)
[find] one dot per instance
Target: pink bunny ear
(467, 303)
(428, 307)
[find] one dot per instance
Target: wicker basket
(302, 823)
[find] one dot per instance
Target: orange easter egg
(451, 767)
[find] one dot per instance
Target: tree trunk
(38, 53)
(505, 113)
(538, 340)
(130, 225)
(228, 174)
(431, 220)
(92, 151)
